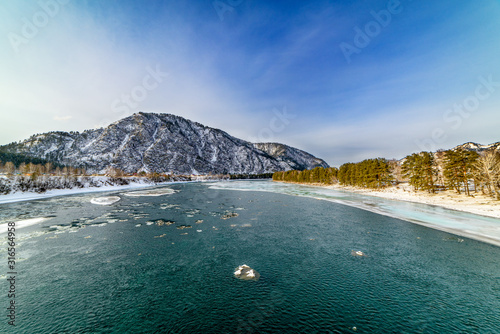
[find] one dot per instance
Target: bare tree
(31, 167)
(114, 172)
(23, 168)
(488, 173)
(9, 168)
(48, 167)
(40, 169)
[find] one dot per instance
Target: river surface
(165, 263)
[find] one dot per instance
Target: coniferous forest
(464, 171)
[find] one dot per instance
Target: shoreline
(30, 196)
(478, 205)
(461, 222)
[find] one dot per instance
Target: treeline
(41, 184)
(370, 173)
(18, 159)
(316, 175)
(460, 170)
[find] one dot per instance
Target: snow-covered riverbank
(477, 204)
(29, 196)
(481, 225)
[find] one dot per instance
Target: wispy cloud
(231, 74)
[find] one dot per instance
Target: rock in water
(246, 273)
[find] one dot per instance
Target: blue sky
(424, 74)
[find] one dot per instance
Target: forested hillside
(18, 159)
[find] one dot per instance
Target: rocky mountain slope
(162, 143)
(478, 147)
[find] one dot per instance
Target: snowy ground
(478, 204)
(23, 223)
(29, 196)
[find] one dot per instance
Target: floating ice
(229, 215)
(357, 253)
(244, 272)
(181, 227)
(108, 200)
(23, 223)
(485, 229)
(152, 192)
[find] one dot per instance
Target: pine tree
(420, 170)
(459, 168)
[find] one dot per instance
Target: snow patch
(23, 223)
(108, 200)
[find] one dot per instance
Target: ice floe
(181, 227)
(246, 273)
(160, 222)
(23, 223)
(150, 192)
(229, 215)
(357, 253)
(107, 200)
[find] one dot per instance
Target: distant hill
(478, 147)
(162, 143)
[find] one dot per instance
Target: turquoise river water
(165, 264)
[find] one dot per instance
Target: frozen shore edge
(29, 196)
(481, 205)
(492, 240)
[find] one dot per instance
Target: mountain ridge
(472, 146)
(163, 143)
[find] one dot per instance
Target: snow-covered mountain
(478, 147)
(163, 143)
